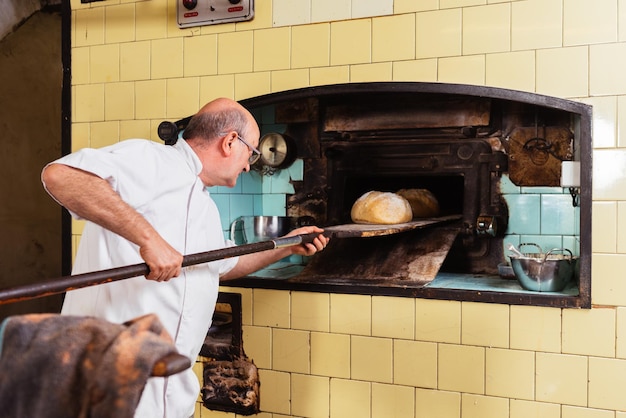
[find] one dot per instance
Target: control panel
(212, 12)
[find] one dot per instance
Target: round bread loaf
(381, 208)
(423, 203)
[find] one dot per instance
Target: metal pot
(544, 272)
(260, 228)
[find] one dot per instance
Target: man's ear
(226, 144)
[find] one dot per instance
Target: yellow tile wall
(343, 49)
(309, 395)
(331, 355)
(511, 70)
(535, 329)
(350, 398)
(397, 32)
(446, 26)
(392, 400)
(528, 409)
(536, 24)
(561, 378)
(200, 55)
(476, 406)
(134, 61)
(487, 29)
(393, 317)
(310, 311)
(310, 46)
(415, 363)
(461, 368)
(485, 324)
(371, 359)
(510, 373)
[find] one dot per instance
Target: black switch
(190, 4)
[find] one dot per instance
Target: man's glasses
(256, 154)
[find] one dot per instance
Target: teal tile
(542, 190)
(266, 184)
(252, 182)
(524, 214)
(230, 190)
(558, 216)
(296, 170)
(257, 203)
(572, 244)
(281, 183)
(274, 205)
(507, 186)
(241, 205)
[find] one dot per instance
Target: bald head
(220, 116)
(220, 105)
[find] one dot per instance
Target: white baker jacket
(161, 182)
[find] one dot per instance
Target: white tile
(291, 12)
(368, 8)
(330, 10)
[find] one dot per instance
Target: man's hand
(318, 244)
(162, 259)
(250, 263)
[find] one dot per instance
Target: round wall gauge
(277, 150)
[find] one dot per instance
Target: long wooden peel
(66, 283)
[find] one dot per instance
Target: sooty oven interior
(458, 142)
(393, 149)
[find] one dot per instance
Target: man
(148, 202)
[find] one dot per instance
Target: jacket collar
(189, 155)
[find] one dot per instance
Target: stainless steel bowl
(544, 272)
(259, 228)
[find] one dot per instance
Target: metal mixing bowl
(260, 228)
(544, 272)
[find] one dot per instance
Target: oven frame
(298, 98)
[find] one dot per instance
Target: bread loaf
(423, 203)
(381, 208)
